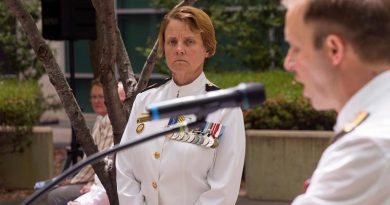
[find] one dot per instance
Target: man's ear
(335, 47)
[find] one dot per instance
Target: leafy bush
(288, 114)
(20, 108)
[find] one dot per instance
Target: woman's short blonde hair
(197, 19)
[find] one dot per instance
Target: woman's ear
(335, 47)
(207, 54)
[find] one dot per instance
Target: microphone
(244, 95)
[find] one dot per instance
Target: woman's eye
(171, 42)
(189, 42)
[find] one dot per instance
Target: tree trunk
(56, 77)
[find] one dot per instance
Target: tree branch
(125, 71)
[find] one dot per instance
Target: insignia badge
(144, 118)
(351, 126)
(140, 128)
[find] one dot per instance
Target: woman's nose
(180, 49)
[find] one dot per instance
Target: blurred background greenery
(250, 48)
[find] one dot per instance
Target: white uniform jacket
(169, 172)
(355, 170)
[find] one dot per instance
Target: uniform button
(154, 185)
(156, 155)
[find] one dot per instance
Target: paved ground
(62, 138)
(241, 201)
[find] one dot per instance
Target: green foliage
(253, 34)
(19, 59)
(288, 114)
(20, 108)
(249, 32)
(285, 108)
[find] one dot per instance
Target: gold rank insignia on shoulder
(359, 119)
(209, 135)
(144, 118)
(351, 126)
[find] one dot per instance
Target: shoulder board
(155, 85)
(211, 87)
(351, 126)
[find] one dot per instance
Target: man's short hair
(365, 24)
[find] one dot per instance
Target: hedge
(20, 108)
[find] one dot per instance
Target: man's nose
(288, 62)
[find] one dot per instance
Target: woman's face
(97, 100)
(184, 52)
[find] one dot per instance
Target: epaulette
(155, 85)
(351, 126)
(211, 87)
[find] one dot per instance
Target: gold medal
(140, 128)
(176, 136)
(211, 142)
(180, 136)
(196, 138)
(205, 140)
(200, 139)
(169, 136)
(191, 137)
(216, 143)
(185, 137)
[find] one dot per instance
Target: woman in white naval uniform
(174, 169)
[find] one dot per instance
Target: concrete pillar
(22, 170)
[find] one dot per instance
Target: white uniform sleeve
(224, 177)
(350, 172)
(96, 196)
(129, 189)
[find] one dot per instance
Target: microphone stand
(119, 147)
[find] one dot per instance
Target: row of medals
(208, 136)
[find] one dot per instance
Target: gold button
(157, 155)
(154, 185)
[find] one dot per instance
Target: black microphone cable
(119, 147)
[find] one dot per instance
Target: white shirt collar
(196, 87)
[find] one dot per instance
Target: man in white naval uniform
(340, 51)
(194, 167)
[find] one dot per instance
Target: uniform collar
(194, 88)
(364, 100)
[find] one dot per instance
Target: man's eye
(295, 49)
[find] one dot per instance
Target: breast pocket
(189, 157)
